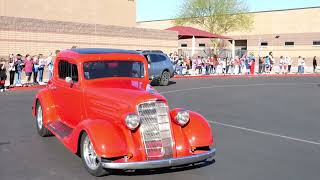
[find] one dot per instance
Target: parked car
(160, 67)
(100, 105)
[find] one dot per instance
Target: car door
(156, 65)
(68, 95)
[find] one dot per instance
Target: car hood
(120, 95)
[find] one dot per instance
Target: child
(3, 75)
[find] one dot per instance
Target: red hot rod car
(100, 105)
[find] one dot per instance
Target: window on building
(316, 43)
(184, 45)
(289, 43)
(202, 45)
(264, 44)
(68, 70)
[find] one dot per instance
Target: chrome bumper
(161, 163)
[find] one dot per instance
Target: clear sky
(166, 9)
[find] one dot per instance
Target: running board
(60, 129)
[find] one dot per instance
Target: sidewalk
(245, 76)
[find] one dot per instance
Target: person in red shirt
(28, 68)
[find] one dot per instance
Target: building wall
(301, 26)
(34, 36)
(107, 12)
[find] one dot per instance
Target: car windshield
(106, 69)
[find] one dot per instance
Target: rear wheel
(42, 130)
(90, 158)
(165, 78)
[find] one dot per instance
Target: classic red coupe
(100, 105)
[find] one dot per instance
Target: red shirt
(28, 66)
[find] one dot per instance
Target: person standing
(314, 64)
(3, 75)
(28, 68)
(18, 67)
(300, 64)
(42, 64)
(35, 60)
(285, 65)
(289, 60)
(271, 58)
(224, 65)
(260, 65)
(49, 61)
(252, 64)
(11, 69)
(281, 65)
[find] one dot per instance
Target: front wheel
(90, 158)
(165, 78)
(42, 130)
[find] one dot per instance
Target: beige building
(293, 32)
(35, 26)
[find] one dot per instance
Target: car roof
(101, 51)
(150, 51)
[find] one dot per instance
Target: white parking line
(265, 133)
(239, 85)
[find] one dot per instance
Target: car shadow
(157, 84)
(163, 170)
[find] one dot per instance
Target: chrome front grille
(156, 130)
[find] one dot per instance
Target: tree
(216, 16)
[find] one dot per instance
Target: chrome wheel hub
(89, 154)
(39, 117)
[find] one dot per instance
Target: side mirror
(69, 80)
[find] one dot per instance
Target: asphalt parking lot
(265, 128)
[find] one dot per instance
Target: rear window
(108, 69)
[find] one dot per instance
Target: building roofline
(251, 12)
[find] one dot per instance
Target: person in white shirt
(49, 62)
(289, 60)
(285, 65)
(42, 65)
(281, 64)
(224, 66)
(11, 69)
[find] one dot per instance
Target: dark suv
(160, 67)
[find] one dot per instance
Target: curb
(26, 88)
(243, 76)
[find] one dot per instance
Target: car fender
(198, 130)
(107, 138)
(48, 106)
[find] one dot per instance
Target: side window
(162, 58)
(157, 58)
(154, 58)
(74, 73)
(63, 69)
(68, 70)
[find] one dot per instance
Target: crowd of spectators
(33, 67)
(214, 65)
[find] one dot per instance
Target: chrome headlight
(132, 121)
(183, 117)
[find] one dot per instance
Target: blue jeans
(41, 74)
(18, 77)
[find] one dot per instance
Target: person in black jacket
(315, 64)
(3, 75)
